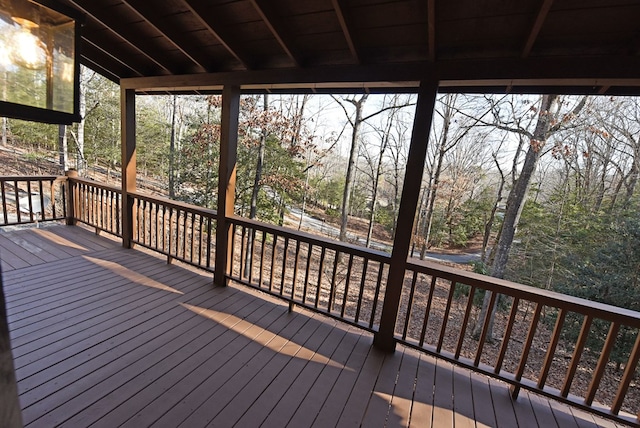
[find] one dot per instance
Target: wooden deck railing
(542, 341)
(97, 205)
(32, 199)
(340, 280)
(180, 231)
(543, 333)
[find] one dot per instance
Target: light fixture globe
(39, 64)
(27, 50)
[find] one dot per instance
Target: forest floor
(19, 163)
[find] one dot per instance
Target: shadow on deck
(107, 336)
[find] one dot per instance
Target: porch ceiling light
(26, 49)
(39, 68)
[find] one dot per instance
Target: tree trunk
(515, 203)
(63, 147)
(253, 206)
(5, 127)
(349, 178)
(172, 151)
(80, 163)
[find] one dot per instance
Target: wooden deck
(104, 336)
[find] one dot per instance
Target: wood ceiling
(577, 46)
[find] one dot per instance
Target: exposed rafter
(268, 15)
(535, 28)
(89, 62)
(214, 27)
(343, 19)
(170, 35)
(93, 15)
(90, 44)
(431, 29)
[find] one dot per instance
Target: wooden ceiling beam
(431, 30)
(267, 13)
(536, 27)
(214, 26)
(587, 74)
(345, 24)
(168, 34)
(85, 9)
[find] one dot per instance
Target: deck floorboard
(104, 336)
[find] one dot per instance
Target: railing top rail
(546, 297)
(32, 178)
(344, 247)
(206, 212)
(95, 184)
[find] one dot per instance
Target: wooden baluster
(4, 203)
(17, 195)
(427, 310)
(170, 237)
(332, 289)
(515, 390)
(551, 350)
(485, 328)
(185, 215)
(284, 264)
(251, 250)
(507, 335)
(577, 353)
(445, 318)
(609, 343)
(273, 261)
(295, 270)
(209, 234)
(43, 217)
(407, 317)
(347, 281)
(465, 321)
(242, 251)
(307, 271)
(192, 237)
(627, 376)
(376, 296)
(320, 271)
(363, 284)
(232, 248)
(29, 200)
(201, 239)
(262, 251)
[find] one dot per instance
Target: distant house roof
(585, 46)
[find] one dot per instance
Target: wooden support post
(226, 182)
(128, 136)
(384, 338)
(71, 203)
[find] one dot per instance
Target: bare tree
(550, 119)
(356, 124)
